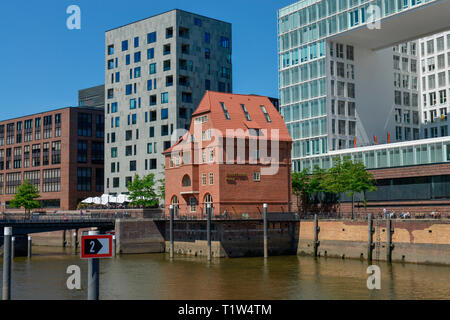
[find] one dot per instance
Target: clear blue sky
(43, 64)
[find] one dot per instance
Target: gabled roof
(211, 104)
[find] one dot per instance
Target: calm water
(155, 277)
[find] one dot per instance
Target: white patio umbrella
(123, 198)
(105, 199)
(88, 200)
(97, 200)
(112, 199)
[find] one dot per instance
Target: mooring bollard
(30, 243)
(266, 247)
(93, 274)
(64, 242)
(389, 245)
(75, 241)
(370, 232)
(208, 230)
(7, 260)
(171, 232)
(316, 235)
(114, 245)
(13, 248)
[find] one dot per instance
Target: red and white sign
(99, 246)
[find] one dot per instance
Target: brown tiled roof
(211, 105)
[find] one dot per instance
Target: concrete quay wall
(415, 241)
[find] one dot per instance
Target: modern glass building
(394, 155)
(349, 73)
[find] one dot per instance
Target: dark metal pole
(208, 230)
(7, 260)
(75, 241)
(370, 237)
(266, 249)
(93, 275)
(389, 245)
(64, 239)
(171, 232)
(316, 234)
(30, 243)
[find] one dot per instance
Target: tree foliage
(344, 177)
(142, 191)
(26, 197)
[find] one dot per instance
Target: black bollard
(370, 237)
(208, 230)
(171, 232)
(7, 261)
(266, 247)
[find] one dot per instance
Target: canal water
(155, 277)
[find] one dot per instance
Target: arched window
(208, 200)
(186, 182)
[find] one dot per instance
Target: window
(133, 165)
(152, 68)
(132, 104)
(166, 65)
(169, 33)
(165, 97)
(110, 64)
(136, 42)
(224, 42)
(84, 124)
(207, 37)
(137, 57)
(137, 72)
(150, 53)
(110, 49)
(263, 109)
(244, 109)
(151, 37)
(211, 178)
(350, 52)
(186, 97)
(82, 151)
(114, 152)
(153, 162)
(153, 100)
(166, 49)
(127, 59)
(197, 22)
(84, 176)
(164, 114)
(225, 111)
(193, 204)
(256, 176)
(169, 81)
(164, 130)
(125, 45)
(52, 180)
(207, 53)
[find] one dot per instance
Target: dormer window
(263, 109)
(225, 111)
(247, 116)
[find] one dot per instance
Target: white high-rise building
(350, 72)
(435, 84)
(157, 71)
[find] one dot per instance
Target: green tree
(142, 191)
(26, 197)
(361, 181)
(316, 185)
(300, 188)
(337, 179)
(162, 188)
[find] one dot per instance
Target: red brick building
(236, 156)
(61, 152)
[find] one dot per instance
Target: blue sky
(43, 64)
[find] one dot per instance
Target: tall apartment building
(60, 152)
(435, 78)
(349, 72)
(157, 71)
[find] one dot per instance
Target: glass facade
(402, 154)
(303, 30)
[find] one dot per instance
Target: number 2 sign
(99, 246)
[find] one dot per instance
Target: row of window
(31, 156)
(51, 180)
(23, 131)
(434, 45)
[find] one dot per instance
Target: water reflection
(156, 277)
